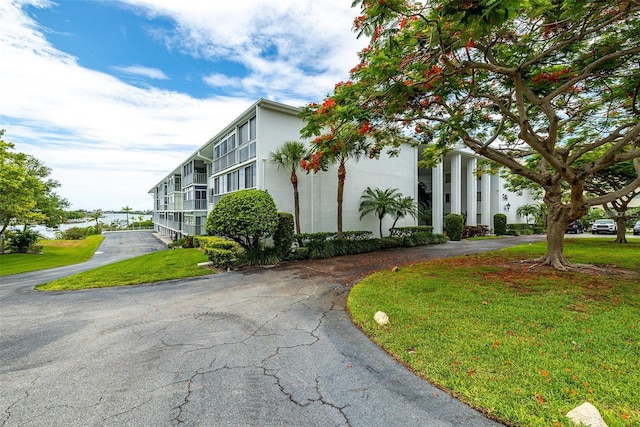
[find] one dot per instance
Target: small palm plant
(381, 202)
(405, 206)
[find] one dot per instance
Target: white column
(485, 205)
(437, 197)
(472, 190)
(456, 183)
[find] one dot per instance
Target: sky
(112, 95)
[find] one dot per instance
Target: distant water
(106, 219)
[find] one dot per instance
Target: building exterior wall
(238, 157)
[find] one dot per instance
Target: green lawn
(523, 345)
(154, 267)
(56, 253)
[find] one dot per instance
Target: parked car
(636, 228)
(604, 226)
(575, 227)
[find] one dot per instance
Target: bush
(437, 239)
(391, 242)
(78, 233)
(283, 236)
(539, 229)
(221, 252)
(408, 231)
(24, 241)
(259, 256)
(500, 224)
(474, 231)
(178, 243)
(245, 216)
(453, 225)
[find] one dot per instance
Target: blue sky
(111, 95)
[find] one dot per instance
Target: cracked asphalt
(259, 347)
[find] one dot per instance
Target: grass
(154, 267)
(525, 346)
(55, 253)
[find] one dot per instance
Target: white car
(636, 228)
(604, 226)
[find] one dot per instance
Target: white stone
(587, 414)
(381, 317)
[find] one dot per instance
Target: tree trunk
(621, 224)
(296, 200)
(557, 221)
(342, 175)
(380, 218)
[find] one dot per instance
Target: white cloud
(139, 70)
(108, 142)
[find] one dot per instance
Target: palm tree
(405, 205)
(380, 202)
(96, 216)
(527, 211)
(288, 156)
(127, 209)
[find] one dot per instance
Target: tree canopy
(507, 79)
(27, 193)
(245, 216)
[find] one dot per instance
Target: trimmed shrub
(437, 239)
(391, 242)
(260, 256)
(283, 236)
(474, 230)
(245, 216)
(221, 252)
(453, 225)
(500, 224)
(408, 231)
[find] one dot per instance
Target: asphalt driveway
(262, 347)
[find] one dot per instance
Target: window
(252, 128)
(447, 198)
(187, 169)
(250, 176)
(224, 153)
(233, 181)
(447, 178)
(479, 196)
(243, 133)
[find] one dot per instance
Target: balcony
(194, 178)
(193, 230)
(198, 204)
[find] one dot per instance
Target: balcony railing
(193, 230)
(197, 204)
(194, 178)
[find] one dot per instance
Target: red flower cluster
(553, 77)
(358, 23)
(326, 106)
(313, 164)
(366, 127)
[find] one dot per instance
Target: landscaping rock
(382, 318)
(586, 414)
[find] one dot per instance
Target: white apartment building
(237, 158)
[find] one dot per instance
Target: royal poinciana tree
(507, 79)
(609, 181)
(338, 146)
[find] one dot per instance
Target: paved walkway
(261, 347)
